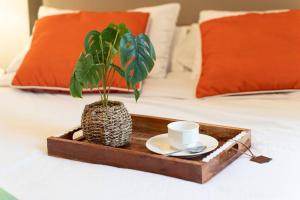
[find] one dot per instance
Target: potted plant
(108, 122)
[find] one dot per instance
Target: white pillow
(186, 49)
(17, 60)
(6, 79)
(1, 72)
(180, 34)
(45, 11)
(163, 20)
(161, 29)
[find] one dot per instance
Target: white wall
(14, 29)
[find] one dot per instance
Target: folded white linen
(177, 85)
(27, 119)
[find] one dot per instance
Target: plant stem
(106, 76)
(111, 81)
(101, 43)
(109, 51)
(101, 95)
(104, 97)
(106, 70)
(104, 87)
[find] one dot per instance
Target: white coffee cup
(183, 134)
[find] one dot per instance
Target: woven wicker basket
(111, 125)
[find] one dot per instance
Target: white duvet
(27, 119)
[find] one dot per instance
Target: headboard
(189, 8)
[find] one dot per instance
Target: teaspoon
(191, 150)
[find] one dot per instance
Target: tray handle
(69, 134)
(231, 143)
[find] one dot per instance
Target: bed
(28, 118)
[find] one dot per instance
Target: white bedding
(177, 85)
(27, 119)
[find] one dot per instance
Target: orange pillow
(252, 52)
(57, 43)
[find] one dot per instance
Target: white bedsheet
(27, 119)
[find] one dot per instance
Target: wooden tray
(137, 156)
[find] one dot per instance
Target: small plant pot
(111, 125)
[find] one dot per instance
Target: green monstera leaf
(87, 74)
(92, 42)
(95, 65)
(105, 45)
(137, 59)
(75, 87)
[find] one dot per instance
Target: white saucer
(159, 144)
